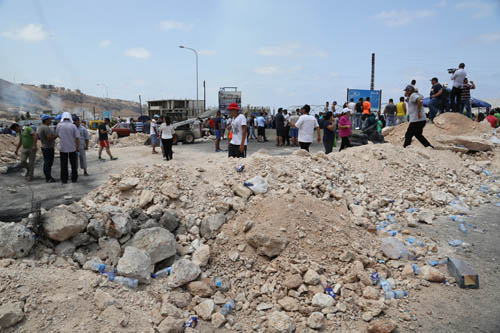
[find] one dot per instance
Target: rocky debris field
(293, 243)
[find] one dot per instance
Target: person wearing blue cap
(48, 138)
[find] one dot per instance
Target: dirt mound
(451, 124)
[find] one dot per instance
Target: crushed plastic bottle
(375, 278)
(162, 273)
(247, 184)
(462, 228)
(486, 172)
(396, 294)
(102, 268)
(455, 242)
(124, 281)
(391, 218)
(416, 269)
(484, 188)
(226, 308)
(385, 285)
(437, 262)
(192, 322)
(328, 290)
(459, 206)
(240, 168)
(391, 232)
(412, 210)
(413, 241)
(221, 284)
(456, 218)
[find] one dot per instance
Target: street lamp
(196, 54)
(105, 87)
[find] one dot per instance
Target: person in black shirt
(359, 113)
(218, 131)
(103, 140)
(436, 94)
(329, 132)
(280, 127)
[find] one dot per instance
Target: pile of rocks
(306, 220)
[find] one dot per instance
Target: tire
(189, 138)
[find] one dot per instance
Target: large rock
(118, 225)
(201, 255)
(171, 325)
(265, 244)
(10, 314)
(289, 304)
(183, 271)
(65, 249)
(205, 309)
(211, 224)
(470, 142)
(432, 274)
(109, 248)
(146, 198)
(316, 320)
(426, 216)
(293, 281)
(241, 191)
(16, 240)
(311, 277)
(171, 190)
(280, 322)
(159, 243)
(135, 263)
(169, 221)
(322, 300)
(200, 288)
(128, 183)
(61, 224)
(382, 326)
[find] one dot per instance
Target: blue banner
(375, 97)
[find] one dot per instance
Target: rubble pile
(272, 237)
(450, 131)
(8, 158)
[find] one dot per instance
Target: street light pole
(196, 54)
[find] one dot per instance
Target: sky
(277, 52)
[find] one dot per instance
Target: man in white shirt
(306, 125)
(238, 143)
(458, 80)
(153, 132)
(352, 106)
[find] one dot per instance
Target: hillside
(35, 99)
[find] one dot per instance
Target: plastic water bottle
(462, 228)
(375, 278)
(328, 290)
(124, 281)
(240, 168)
(396, 294)
(391, 218)
(392, 232)
(486, 172)
(385, 285)
(247, 184)
(226, 308)
(437, 262)
(220, 284)
(416, 269)
(412, 210)
(192, 322)
(102, 268)
(162, 273)
(455, 242)
(456, 218)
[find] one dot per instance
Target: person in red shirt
(492, 119)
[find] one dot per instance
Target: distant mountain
(15, 98)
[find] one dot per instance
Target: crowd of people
(73, 138)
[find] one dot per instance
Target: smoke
(56, 104)
(16, 96)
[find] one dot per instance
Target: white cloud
(478, 8)
(271, 70)
(266, 70)
(176, 25)
(489, 37)
(290, 49)
(104, 43)
(396, 18)
(138, 52)
(207, 52)
(30, 32)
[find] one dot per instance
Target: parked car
(122, 129)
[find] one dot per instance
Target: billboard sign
(228, 95)
(107, 114)
(375, 97)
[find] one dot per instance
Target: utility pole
(140, 104)
(204, 97)
(372, 84)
